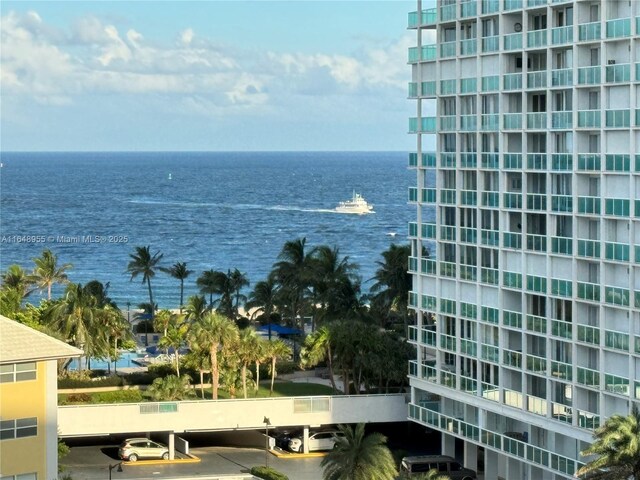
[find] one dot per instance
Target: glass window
(17, 372)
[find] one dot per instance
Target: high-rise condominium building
(526, 245)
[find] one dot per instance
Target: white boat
(357, 205)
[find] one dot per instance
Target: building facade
(526, 244)
(29, 401)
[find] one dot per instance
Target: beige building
(28, 401)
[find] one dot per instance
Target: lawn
(280, 389)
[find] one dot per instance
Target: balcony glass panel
(469, 197)
(413, 20)
(490, 199)
(588, 334)
(448, 160)
(536, 364)
(589, 75)
(512, 358)
(616, 384)
(589, 118)
(537, 324)
(562, 245)
(512, 121)
(448, 87)
(490, 237)
(537, 201)
(468, 8)
(426, 124)
(448, 123)
(490, 84)
(616, 296)
(513, 41)
(428, 89)
(616, 251)
(429, 195)
(468, 235)
(537, 38)
(413, 90)
(413, 197)
(413, 55)
(447, 13)
(618, 28)
(537, 243)
(616, 340)
(537, 79)
(618, 73)
(617, 162)
(536, 161)
(513, 200)
(562, 203)
(618, 118)
(490, 160)
(512, 4)
(589, 248)
(562, 162)
(562, 370)
(468, 46)
(537, 120)
(448, 197)
(536, 3)
(429, 16)
(638, 68)
(490, 6)
(468, 160)
(589, 162)
(589, 291)
(468, 85)
(512, 240)
(562, 77)
(490, 122)
(429, 160)
(447, 49)
(468, 123)
(561, 120)
(589, 31)
(490, 44)
(513, 160)
(512, 319)
(513, 81)
(562, 329)
(618, 207)
(561, 35)
(429, 230)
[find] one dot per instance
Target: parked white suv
(133, 449)
(324, 440)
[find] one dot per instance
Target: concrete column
(491, 465)
(305, 439)
(172, 445)
(471, 456)
(448, 445)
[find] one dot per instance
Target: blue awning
(280, 330)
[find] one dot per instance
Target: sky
(204, 75)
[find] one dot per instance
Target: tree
(180, 272)
(237, 281)
(196, 308)
(264, 298)
(174, 337)
(47, 272)
(16, 278)
(162, 320)
(261, 356)
(276, 349)
(292, 273)
(359, 457)
(171, 388)
(214, 331)
(393, 280)
(316, 349)
(145, 264)
(617, 447)
(78, 317)
(198, 358)
(116, 327)
(247, 350)
(213, 282)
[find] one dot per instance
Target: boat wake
(237, 206)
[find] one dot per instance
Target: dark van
(443, 464)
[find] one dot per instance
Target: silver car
(133, 449)
(324, 440)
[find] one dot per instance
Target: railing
(589, 75)
(447, 49)
(537, 38)
(513, 41)
(561, 120)
(589, 248)
(618, 73)
(468, 46)
(561, 35)
(562, 77)
(537, 79)
(537, 120)
(512, 121)
(560, 328)
(490, 44)
(589, 118)
(512, 81)
(620, 27)
(589, 31)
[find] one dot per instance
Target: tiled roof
(19, 343)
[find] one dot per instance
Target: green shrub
(268, 473)
(118, 396)
(77, 398)
(71, 382)
(139, 378)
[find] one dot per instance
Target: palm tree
(198, 358)
(78, 317)
(617, 446)
(359, 457)
(317, 348)
(174, 337)
(292, 274)
(162, 320)
(214, 332)
(275, 350)
(393, 281)
(247, 351)
(171, 388)
(237, 281)
(47, 272)
(145, 264)
(180, 272)
(263, 299)
(16, 278)
(117, 328)
(213, 282)
(196, 308)
(261, 356)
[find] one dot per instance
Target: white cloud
(186, 37)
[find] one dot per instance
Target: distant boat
(170, 177)
(392, 234)
(357, 205)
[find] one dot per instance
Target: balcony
(512, 280)
(512, 358)
(588, 377)
(537, 243)
(560, 328)
(490, 44)
(536, 364)
(513, 200)
(447, 13)
(422, 125)
(513, 4)
(468, 198)
(447, 49)
(589, 31)
(537, 324)
(428, 89)
(537, 39)
(429, 230)
(537, 201)
(616, 296)
(490, 122)
(490, 160)
(512, 240)
(448, 87)
(589, 205)
(448, 197)
(512, 81)
(491, 83)
(537, 121)
(562, 245)
(428, 195)
(468, 46)
(589, 118)
(512, 121)
(448, 123)
(490, 237)
(562, 370)
(490, 6)
(468, 85)
(447, 160)
(468, 235)
(562, 203)
(589, 162)
(537, 79)
(589, 75)
(560, 35)
(468, 123)
(616, 340)
(618, 118)
(588, 291)
(511, 319)
(589, 248)
(617, 162)
(427, 18)
(536, 161)
(561, 162)
(513, 41)
(490, 199)
(468, 160)
(561, 120)
(513, 161)
(468, 8)
(619, 28)
(618, 73)
(562, 77)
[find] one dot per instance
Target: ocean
(220, 211)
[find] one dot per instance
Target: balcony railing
(512, 121)
(537, 121)
(618, 28)
(537, 38)
(589, 118)
(562, 77)
(589, 75)
(447, 49)
(513, 41)
(589, 31)
(618, 73)
(490, 44)
(513, 81)
(560, 35)
(537, 79)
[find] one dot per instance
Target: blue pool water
(126, 360)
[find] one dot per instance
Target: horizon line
(202, 151)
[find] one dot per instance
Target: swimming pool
(127, 359)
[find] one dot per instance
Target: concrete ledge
(176, 461)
